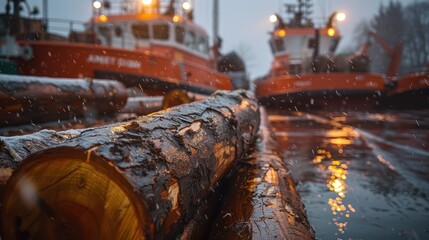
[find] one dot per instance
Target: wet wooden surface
(261, 201)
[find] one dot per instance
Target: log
(37, 99)
(174, 98)
(63, 125)
(150, 104)
(143, 178)
(261, 201)
(14, 149)
(143, 105)
(198, 227)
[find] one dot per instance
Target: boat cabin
(298, 42)
(140, 31)
(294, 49)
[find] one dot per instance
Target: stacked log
(63, 125)
(37, 99)
(261, 201)
(143, 105)
(142, 178)
(150, 104)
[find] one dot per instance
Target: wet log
(37, 99)
(143, 178)
(63, 125)
(143, 105)
(261, 201)
(14, 149)
(150, 104)
(175, 98)
(198, 227)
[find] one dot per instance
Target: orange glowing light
(103, 18)
(281, 33)
(331, 32)
(176, 18)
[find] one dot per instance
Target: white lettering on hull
(113, 61)
(302, 83)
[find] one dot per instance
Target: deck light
(103, 18)
(186, 5)
(176, 18)
(278, 22)
(281, 33)
(96, 4)
(273, 18)
(331, 31)
(147, 2)
(340, 16)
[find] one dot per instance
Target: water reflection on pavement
(360, 175)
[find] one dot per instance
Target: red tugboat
(407, 91)
(305, 75)
(151, 44)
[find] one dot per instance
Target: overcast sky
(244, 24)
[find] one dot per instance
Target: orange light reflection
(336, 171)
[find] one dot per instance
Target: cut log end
(78, 197)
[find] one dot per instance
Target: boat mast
(215, 21)
(45, 14)
(14, 28)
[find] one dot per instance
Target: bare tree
(416, 39)
(361, 33)
(389, 24)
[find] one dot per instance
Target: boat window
(105, 31)
(118, 31)
(140, 30)
(190, 39)
(180, 34)
(202, 44)
(277, 45)
(161, 31)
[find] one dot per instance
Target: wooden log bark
(63, 125)
(261, 201)
(143, 178)
(36, 99)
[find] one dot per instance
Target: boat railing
(317, 22)
(64, 26)
(117, 7)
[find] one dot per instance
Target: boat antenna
(301, 11)
(14, 27)
(215, 21)
(7, 8)
(45, 15)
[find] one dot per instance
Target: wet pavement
(360, 175)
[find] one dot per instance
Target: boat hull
(325, 91)
(155, 73)
(411, 91)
